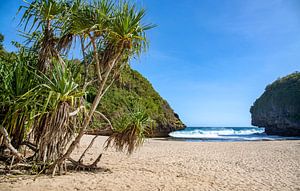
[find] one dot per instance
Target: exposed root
(53, 133)
(11, 163)
(30, 145)
(90, 145)
(23, 166)
(18, 169)
(80, 164)
(8, 144)
(87, 167)
(96, 161)
(13, 172)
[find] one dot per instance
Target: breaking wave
(225, 134)
(217, 132)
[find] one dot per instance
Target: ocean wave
(216, 132)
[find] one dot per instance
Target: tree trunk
(99, 95)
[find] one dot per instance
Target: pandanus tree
(110, 34)
(115, 33)
(38, 106)
(44, 16)
(15, 80)
(52, 128)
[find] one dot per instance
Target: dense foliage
(133, 89)
(44, 104)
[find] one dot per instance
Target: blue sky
(210, 59)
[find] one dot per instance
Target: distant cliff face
(132, 86)
(278, 109)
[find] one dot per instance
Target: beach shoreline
(178, 165)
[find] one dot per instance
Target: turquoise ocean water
(226, 134)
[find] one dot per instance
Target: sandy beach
(174, 165)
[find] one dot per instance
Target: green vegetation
(48, 102)
(130, 127)
(133, 89)
(1, 42)
(2, 50)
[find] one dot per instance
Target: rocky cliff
(278, 108)
(133, 87)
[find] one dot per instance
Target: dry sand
(173, 165)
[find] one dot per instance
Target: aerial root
(90, 145)
(78, 165)
(7, 143)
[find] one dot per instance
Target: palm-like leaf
(127, 30)
(113, 32)
(130, 130)
(45, 16)
(39, 12)
(16, 78)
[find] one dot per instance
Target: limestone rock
(278, 108)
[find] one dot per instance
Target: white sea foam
(216, 132)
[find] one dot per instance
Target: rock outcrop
(133, 87)
(278, 108)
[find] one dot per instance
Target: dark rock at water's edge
(133, 86)
(278, 108)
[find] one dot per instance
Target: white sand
(172, 165)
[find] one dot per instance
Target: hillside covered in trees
(130, 92)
